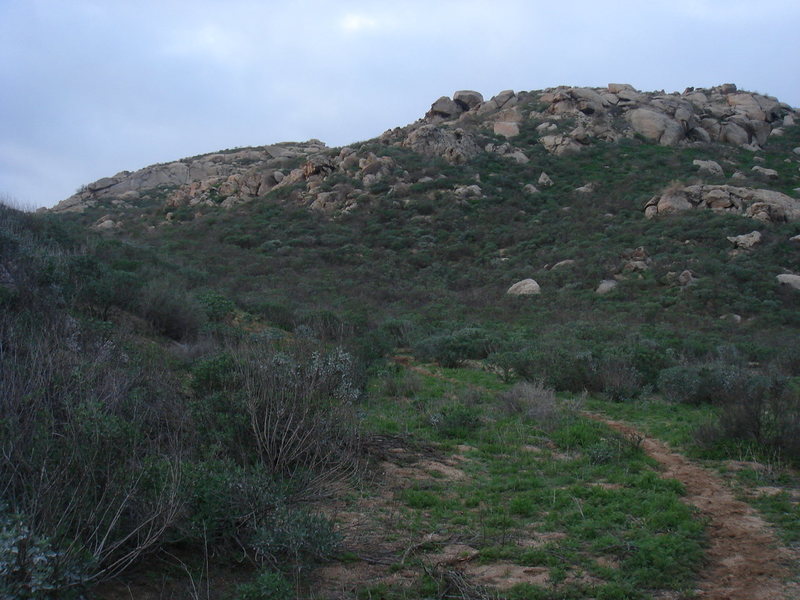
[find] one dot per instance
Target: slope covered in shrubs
(117, 443)
(192, 377)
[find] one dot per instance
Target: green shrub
(295, 536)
(533, 401)
(213, 373)
(450, 349)
(170, 310)
(300, 410)
(31, 567)
(88, 450)
(681, 384)
(268, 585)
(559, 367)
(716, 382)
(456, 420)
(215, 305)
(764, 416)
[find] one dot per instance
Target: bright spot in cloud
(354, 23)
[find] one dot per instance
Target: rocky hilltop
(563, 121)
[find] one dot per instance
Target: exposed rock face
(562, 263)
(564, 120)
(560, 144)
(764, 205)
(765, 173)
(468, 99)
(686, 278)
(710, 167)
(468, 191)
(529, 188)
(454, 145)
(792, 281)
(506, 128)
(746, 240)
(656, 126)
(242, 174)
(526, 287)
(446, 108)
(721, 114)
(606, 286)
(508, 151)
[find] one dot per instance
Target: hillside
(460, 130)
(398, 369)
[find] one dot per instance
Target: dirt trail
(745, 559)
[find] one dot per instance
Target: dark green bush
(31, 567)
(216, 305)
(451, 349)
(268, 585)
(723, 383)
(170, 310)
(214, 373)
(681, 384)
(456, 420)
(764, 416)
(297, 536)
(89, 453)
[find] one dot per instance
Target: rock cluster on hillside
(564, 120)
(247, 172)
(765, 205)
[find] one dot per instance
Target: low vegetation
(203, 391)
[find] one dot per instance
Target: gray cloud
(93, 87)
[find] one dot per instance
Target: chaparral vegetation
(540, 346)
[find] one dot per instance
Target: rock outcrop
(454, 145)
(526, 287)
(789, 279)
(765, 205)
(562, 120)
(746, 240)
(210, 178)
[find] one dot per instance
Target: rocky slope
(562, 120)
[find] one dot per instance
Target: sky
(89, 88)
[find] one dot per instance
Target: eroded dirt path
(745, 559)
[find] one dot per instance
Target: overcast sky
(92, 87)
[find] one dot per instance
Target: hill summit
(563, 121)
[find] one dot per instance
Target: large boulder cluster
(765, 205)
(563, 120)
(210, 178)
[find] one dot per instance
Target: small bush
(714, 383)
(268, 585)
(680, 384)
(618, 378)
(764, 415)
(456, 420)
(297, 536)
(534, 401)
(214, 373)
(215, 305)
(451, 349)
(170, 310)
(301, 411)
(615, 447)
(31, 567)
(405, 384)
